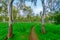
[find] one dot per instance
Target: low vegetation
(21, 31)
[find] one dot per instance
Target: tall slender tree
(10, 19)
(43, 5)
(4, 9)
(43, 24)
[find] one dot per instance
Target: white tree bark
(43, 24)
(10, 19)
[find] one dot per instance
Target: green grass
(21, 31)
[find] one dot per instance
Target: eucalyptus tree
(4, 9)
(17, 3)
(21, 6)
(43, 5)
(43, 24)
(43, 13)
(15, 12)
(10, 19)
(53, 5)
(27, 12)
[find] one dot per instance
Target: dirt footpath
(33, 35)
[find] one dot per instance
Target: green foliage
(6, 18)
(57, 17)
(1, 18)
(15, 11)
(0, 9)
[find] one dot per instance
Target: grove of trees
(10, 13)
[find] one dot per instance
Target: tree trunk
(43, 25)
(10, 19)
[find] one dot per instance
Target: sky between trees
(36, 9)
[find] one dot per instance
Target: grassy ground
(21, 31)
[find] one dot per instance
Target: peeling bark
(43, 24)
(43, 29)
(10, 19)
(10, 31)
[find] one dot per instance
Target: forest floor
(22, 31)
